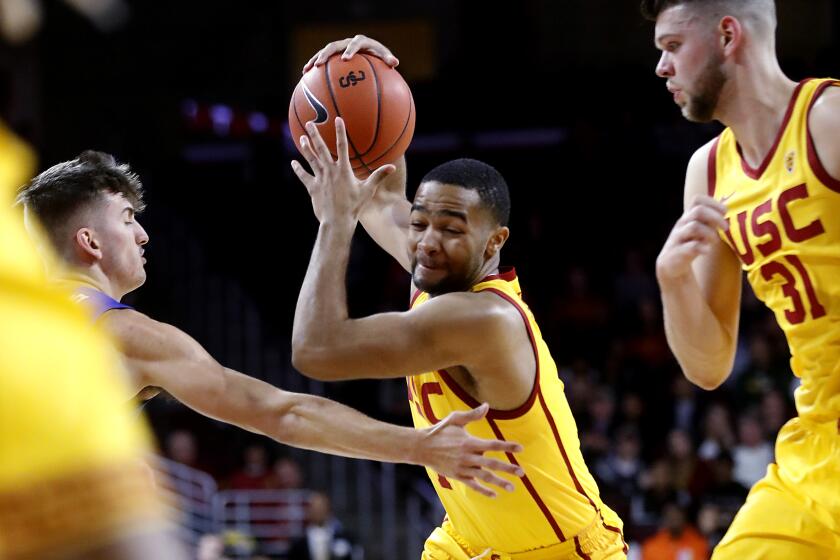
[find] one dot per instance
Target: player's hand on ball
(693, 235)
(335, 191)
(450, 451)
(350, 47)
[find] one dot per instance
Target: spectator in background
(619, 471)
(711, 524)
(648, 344)
(723, 491)
(579, 378)
(286, 474)
(324, 538)
(763, 372)
(752, 454)
(597, 426)
(685, 407)
(181, 447)
(682, 460)
(676, 540)
(775, 410)
(657, 490)
(254, 473)
(717, 431)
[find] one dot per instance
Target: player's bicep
(164, 356)
(436, 335)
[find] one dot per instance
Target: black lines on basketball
(328, 78)
(378, 105)
(397, 140)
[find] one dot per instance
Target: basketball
(372, 98)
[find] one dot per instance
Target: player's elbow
(312, 362)
(708, 380)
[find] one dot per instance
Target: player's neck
(92, 278)
(490, 268)
(753, 104)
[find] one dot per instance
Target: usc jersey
(557, 498)
(783, 227)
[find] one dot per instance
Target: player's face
(448, 235)
(691, 62)
(121, 239)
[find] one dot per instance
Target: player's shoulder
(119, 320)
(827, 104)
(824, 115)
(823, 123)
(700, 158)
(482, 309)
(137, 333)
(698, 178)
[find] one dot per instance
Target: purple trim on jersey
(97, 302)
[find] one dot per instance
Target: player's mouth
(675, 92)
(428, 265)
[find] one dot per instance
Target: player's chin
(140, 278)
(428, 279)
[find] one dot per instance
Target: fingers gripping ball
(371, 97)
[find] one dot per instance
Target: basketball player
(763, 196)
(71, 481)
(88, 208)
(468, 338)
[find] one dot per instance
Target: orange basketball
(371, 97)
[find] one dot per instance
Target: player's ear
(731, 34)
(496, 241)
(87, 245)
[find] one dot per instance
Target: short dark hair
(758, 9)
(478, 176)
(55, 194)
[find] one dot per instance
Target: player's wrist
(416, 445)
(339, 224)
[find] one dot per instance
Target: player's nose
(142, 236)
(665, 67)
(428, 243)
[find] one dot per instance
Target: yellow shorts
(794, 511)
(596, 542)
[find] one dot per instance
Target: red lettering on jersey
(798, 235)
(774, 268)
(412, 398)
(767, 227)
(426, 389)
(747, 256)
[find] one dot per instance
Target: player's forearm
(703, 347)
(323, 425)
(385, 217)
(322, 303)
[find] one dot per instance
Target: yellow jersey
(784, 227)
(557, 498)
(70, 471)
